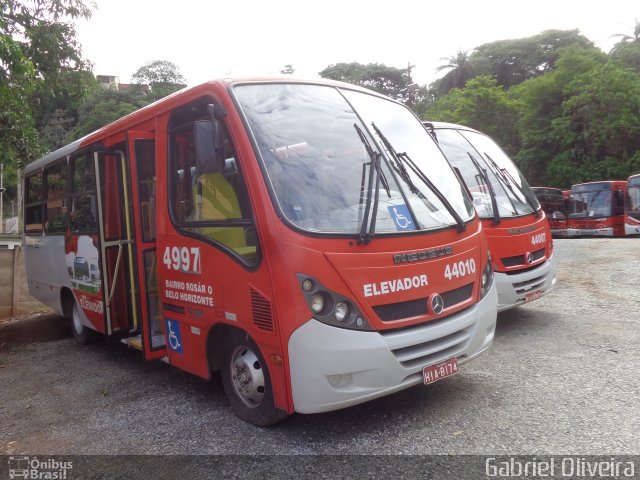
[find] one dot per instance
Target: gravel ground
(561, 378)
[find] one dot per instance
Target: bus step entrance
(133, 342)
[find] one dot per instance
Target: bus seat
(216, 199)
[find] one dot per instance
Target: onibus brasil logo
(35, 468)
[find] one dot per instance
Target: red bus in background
(516, 226)
(555, 205)
(632, 206)
(597, 209)
(261, 228)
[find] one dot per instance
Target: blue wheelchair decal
(174, 336)
(401, 217)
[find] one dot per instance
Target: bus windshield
(591, 201)
(315, 144)
(633, 196)
(513, 194)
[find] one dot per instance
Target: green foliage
(462, 68)
(482, 105)
(105, 106)
(598, 132)
(41, 73)
(627, 55)
(541, 100)
(162, 77)
(514, 61)
(389, 81)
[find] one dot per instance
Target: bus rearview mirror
(208, 146)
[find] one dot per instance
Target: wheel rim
(75, 316)
(247, 377)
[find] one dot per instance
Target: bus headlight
(341, 311)
(330, 307)
(317, 303)
(486, 280)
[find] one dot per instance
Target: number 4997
(182, 259)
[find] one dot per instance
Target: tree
(390, 81)
(105, 106)
(483, 105)
(41, 71)
(288, 70)
(462, 68)
(541, 101)
(626, 52)
(514, 61)
(162, 77)
(598, 133)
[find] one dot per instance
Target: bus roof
(170, 102)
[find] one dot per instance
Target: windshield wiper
(368, 227)
(398, 163)
(492, 193)
(510, 181)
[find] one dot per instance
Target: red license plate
(436, 372)
(531, 296)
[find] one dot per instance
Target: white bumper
(333, 368)
(513, 289)
(631, 229)
(590, 232)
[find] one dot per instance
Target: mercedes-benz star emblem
(437, 304)
(529, 258)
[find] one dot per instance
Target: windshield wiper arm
(368, 227)
(403, 158)
(492, 193)
(509, 180)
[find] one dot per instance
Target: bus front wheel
(246, 381)
(81, 334)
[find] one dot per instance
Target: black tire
(81, 334)
(246, 381)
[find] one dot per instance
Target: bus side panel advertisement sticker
(401, 217)
(174, 336)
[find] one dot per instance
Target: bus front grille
(414, 308)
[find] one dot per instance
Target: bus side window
(84, 207)
(214, 205)
(619, 203)
(33, 212)
(56, 200)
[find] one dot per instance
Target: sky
(209, 39)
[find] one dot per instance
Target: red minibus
(260, 228)
(597, 209)
(555, 205)
(632, 206)
(516, 226)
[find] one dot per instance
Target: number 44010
(182, 259)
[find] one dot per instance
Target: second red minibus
(261, 228)
(516, 226)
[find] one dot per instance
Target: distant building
(112, 82)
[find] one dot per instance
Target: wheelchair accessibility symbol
(174, 336)
(401, 217)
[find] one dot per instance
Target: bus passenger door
(121, 309)
(141, 151)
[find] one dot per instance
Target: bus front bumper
(333, 368)
(519, 288)
(590, 232)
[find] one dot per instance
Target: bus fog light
(307, 285)
(341, 311)
(317, 303)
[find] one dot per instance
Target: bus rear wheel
(246, 381)
(81, 334)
